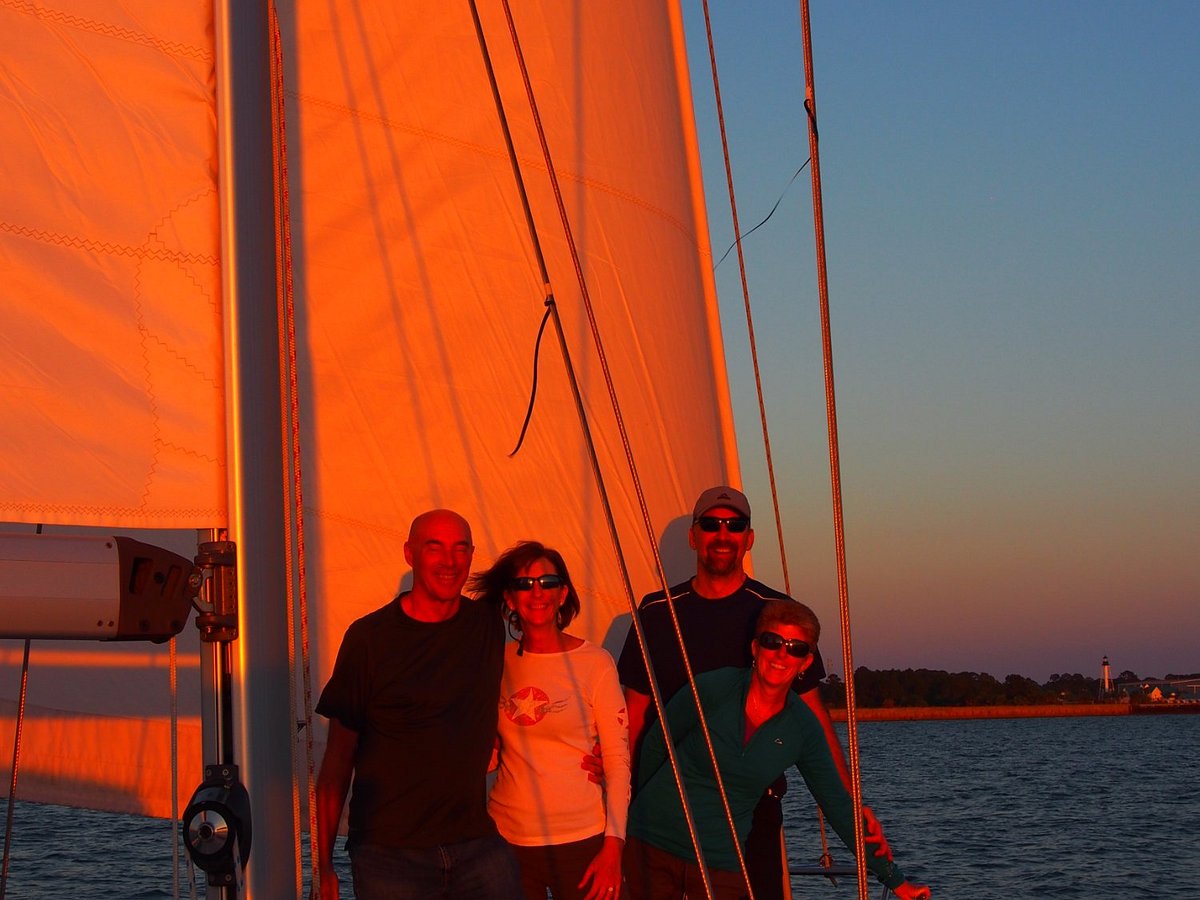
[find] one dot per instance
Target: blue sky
(1013, 241)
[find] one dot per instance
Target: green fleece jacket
(791, 737)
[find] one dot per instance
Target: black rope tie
(537, 349)
(782, 194)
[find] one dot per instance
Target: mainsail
(418, 301)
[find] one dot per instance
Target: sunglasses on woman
(769, 640)
(547, 582)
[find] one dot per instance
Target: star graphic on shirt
(527, 706)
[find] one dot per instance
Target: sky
(1012, 218)
(1011, 196)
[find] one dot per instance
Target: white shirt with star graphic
(553, 708)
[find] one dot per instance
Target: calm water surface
(1074, 807)
(1063, 808)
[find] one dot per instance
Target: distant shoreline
(923, 713)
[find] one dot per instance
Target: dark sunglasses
(547, 582)
(769, 640)
(733, 524)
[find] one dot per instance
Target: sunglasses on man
(547, 582)
(769, 640)
(733, 524)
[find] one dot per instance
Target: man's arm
(681, 717)
(637, 707)
(874, 831)
(333, 784)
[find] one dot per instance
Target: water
(1071, 807)
(998, 808)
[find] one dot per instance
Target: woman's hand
(873, 833)
(908, 891)
(604, 872)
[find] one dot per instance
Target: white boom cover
(418, 295)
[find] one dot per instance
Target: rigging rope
(765, 219)
(762, 407)
(835, 476)
(16, 760)
(615, 405)
(295, 557)
(537, 350)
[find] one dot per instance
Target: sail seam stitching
(106, 29)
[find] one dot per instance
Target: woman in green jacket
(759, 729)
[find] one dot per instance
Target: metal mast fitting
(216, 824)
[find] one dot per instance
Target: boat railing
(832, 873)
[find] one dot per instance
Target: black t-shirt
(716, 631)
(423, 698)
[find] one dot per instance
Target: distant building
(1162, 691)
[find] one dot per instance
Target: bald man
(412, 716)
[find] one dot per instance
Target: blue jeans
(483, 868)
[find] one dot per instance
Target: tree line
(934, 687)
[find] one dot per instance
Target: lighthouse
(1105, 678)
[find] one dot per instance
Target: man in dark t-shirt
(412, 720)
(717, 609)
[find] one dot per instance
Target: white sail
(417, 291)
(110, 360)
(110, 365)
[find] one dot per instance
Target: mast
(263, 730)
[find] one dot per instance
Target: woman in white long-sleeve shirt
(559, 695)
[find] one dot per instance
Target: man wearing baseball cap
(717, 609)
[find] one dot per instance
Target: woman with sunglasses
(759, 729)
(559, 696)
